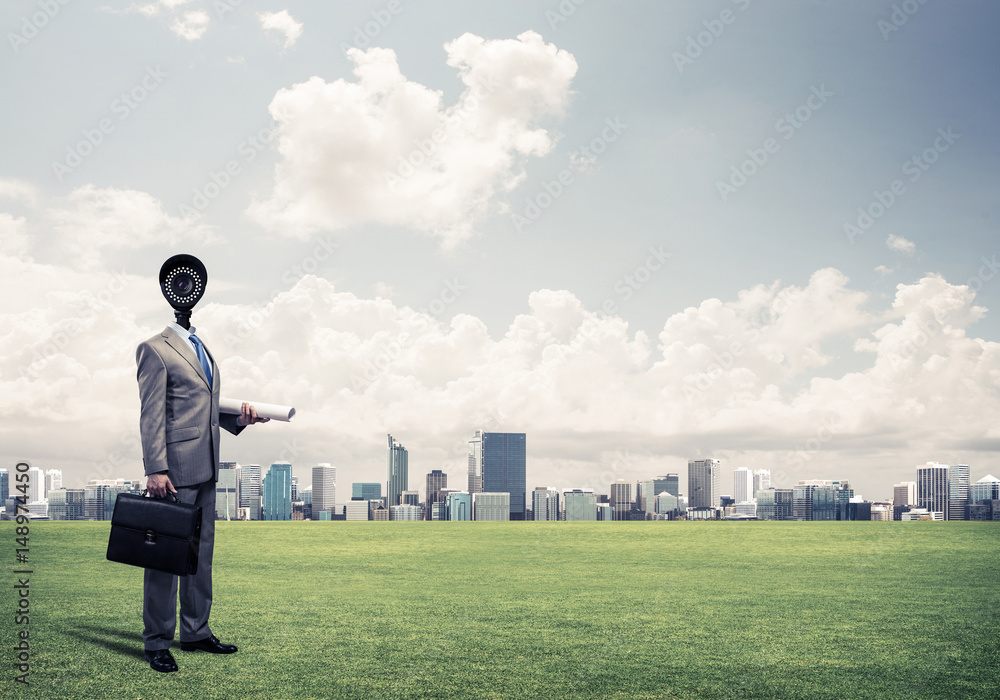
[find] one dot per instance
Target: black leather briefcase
(155, 533)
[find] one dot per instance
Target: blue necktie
(199, 350)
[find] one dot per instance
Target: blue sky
(684, 125)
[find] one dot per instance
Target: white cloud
(884, 270)
(92, 220)
(191, 25)
(752, 377)
(13, 235)
(387, 150)
(900, 244)
(187, 24)
(18, 191)
(283, 23)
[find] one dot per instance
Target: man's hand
(249, 415)
(159, 484)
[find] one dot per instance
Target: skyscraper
(932, 488)
(227, 503)
(580, 504)
(436, 481)
(398, 472)
(476, 462)
(620, 499)
(504, 467)
(703, 483)
(277, 492)
(958, 492)
(545, 503)
(644, 495)
(4, 486)
(36, 485)
(904, 494)
(761, 481)
(250, 490)
(53, 479)
(324, 490)
(743, 480)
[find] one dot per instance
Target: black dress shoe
(161, 660)
(210, 644)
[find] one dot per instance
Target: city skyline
(770, 239)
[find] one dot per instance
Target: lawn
(533, 610)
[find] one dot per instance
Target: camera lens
(183, 284)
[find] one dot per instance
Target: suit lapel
(184, 350)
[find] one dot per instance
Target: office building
(227, 492)
(436, 481)
(958, 492)
(439, 510)
(932, 488)
(986, 489)
(774, 504)
(666, 504)
(324, 490)
(277, 492)
(703, 483)
(409, 498)
(475, 484)
(605, 512)
(53, 480)
(460, 505)
(579, 504)
(66, 504)
(620, 499)
(405, 512)
(904, 494)
(743, 491)
(4, 486)
(295, 489)
(397, 471)
(357, 510)
(36, 485)
(761, 481)
(502, 459)
(545, 503)
(644, 495)
(490, 505)
(669, 483)
(99, 496)
(365, 491)
(250, 483)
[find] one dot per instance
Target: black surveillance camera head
(183, 279)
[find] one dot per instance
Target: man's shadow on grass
(114, 640)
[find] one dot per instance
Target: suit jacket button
(215, 424)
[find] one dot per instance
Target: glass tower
(703, 483)
(398, 472)
(504, 467)
(277, 492)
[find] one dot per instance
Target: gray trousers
(159, 594)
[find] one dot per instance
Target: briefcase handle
(169, 493)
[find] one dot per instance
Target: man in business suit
(179, 423)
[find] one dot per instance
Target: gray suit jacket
(179, 418)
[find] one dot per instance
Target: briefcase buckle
(151, 536)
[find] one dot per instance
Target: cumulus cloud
(91, 220)
(385, 149)
(899, 244)
(756, 375)
(282, 23)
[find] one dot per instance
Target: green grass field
(534, 610)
